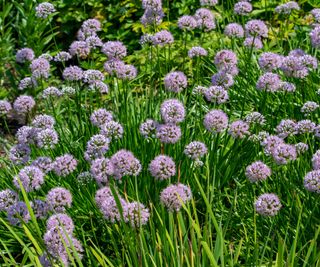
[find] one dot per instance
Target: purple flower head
(168, 133)
(234, 30)
(110, 209)
(30, 177)
(40, 68)
(225, 60)
(199, 90)
(17, 212)
(267, 205)
(270, 142)
(102, 194)
(316, 160)
(270, 61)
(90, 76)
(7, 198)
(162, 38)
(100, 116)
(152, 17)
(90, 26)
(239, 129)
(51, 93)
(187, 23)
(293, 66)
(283, 153)
(197, 51)
(287, 87)
(58, 198)
(64, 165)
(60, 220)
(99, 86)
(43, 10)
(216, 94)
(125, 163)
(43, 122)
(287, 8)
(174, 196)
(94, 42)
(24, 104)
(286, 128)
(47, 138)
(84, 178)
(297, 53)
(215, 121)
(146, 39)
(242, 8)
(112, 130)
(175, 81)
(306, 126)
(114, 50)
(253, 42)
(127, 72)
(205, 19)
(312, 181)
(101, 169)
(27, 83)
(256, 28)
(25, 54)
(269, 82)
(148, 128)
(5, 107)
(26, 135)
(20, 154)
(257, 171)
(43, 163)
(46, 56)
(72, 73)
(62, 56)
(195, 150)
(208, 2)
(172, 111)
(152, 4)
(114, 66)
(301, 148)
(79, 49)
(40, 208)
(255, 118)
(316, 14)
(223, 79)
(97, 146)
(162, 167)
(136, 214)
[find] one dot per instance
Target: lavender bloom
(101, 170)
(268, 205)
(172, 111)
(114, 66)
(215, 121)
(5, 107)
(43, 122)
(297, 53)
(208, 2)
(62, 56)
(316, 160)
(146, 39)
(312, 181)
(7, 198)
(306, 126)
(40, 68)
(270, 143)
(17, 212)
(58, 198)
(60, 220)
(255, 118)
(64, 165)
(110, 209)
(197, 51)
(94, 42)
(148, 128)
(205, 19)
(234, 30)
(43, 163)
(47, 138)
(20, 154)
(79, 49)
(162, 38)
(287, 87)
(127, 72)
(23, 104)
(162, 167)
(253, 42)
(301, 148)
(199, 90)
(112, 130)
(91, 26)
(46, 56)
(216, 94)
(287, 8)
(309, 107)
(317, 131)
(51, 92)
(72, 73)
(152, 17)
(136, 214)
(286, 128)
(257, 171)
(223, 79)
(125, 163)
(256, 28)
(195, 150)
(100, 116)
(40, 208)
(43, 10)
(30, 177)
(90, 76)
(114, 50)
(26, 83)
(100, 86)
(225, 60)
(187, 23)
(316, 14)
(174, 196)
(175, 81)
(97, 146)
(25, 54)
(270, 61)
(269, 82)
(293, 66)
(284, 153)
(239, 129)
(168, 133)
(102, 194)
(242, 8)
(25, 135)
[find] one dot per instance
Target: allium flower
(152, 17)
(270, 142)
(317, 131)
(30, 177)
(101, 170)
(97, 146)
(208, 2)
(99, 86)
(205, 19)
(199, 90)
(58, 198)
(136, 214)
(60, 220)
(256, 28)
(79, 49)
(283, 153)
(287, 87)
(90, 76)
(316, 160)
(7, 198)
(91, 26)
(68, 91)
(175, 81)
(146, 39)
(127, 72)
(102, 194)
(17, 212)
(172, 111)
(301, 148)
(40, 208)
(257, 171)
(72, 73)
(225, 60)
(270, 61)
(306, 126)
(110, 209)
(40, 68)
(187, 23)
(234, 30)
(24, 104)
(316, 14)
(162, 167)
(174, 196)
(43, 163)
(293, 66)
(260, 137)
(216, 94)
(26, 83)
(114, 50)
(223, 79)
(25, 54)
(297, 53)
(62, 56)
(162, 38)
(253, 42)
(5, 107)
(84, 178)
(64, 165)
(112, 130)
(268, 205)
(215, 121)
(148, 128)
(125, 163)
(20, 154)
(25, 135)
(43, 122)
(239, 129)
(100, 116)
(309, 107)
(46, 56)
(47, 138)
(312, 181)
(286, 128)
(51, 92)
(43, 10)
(287, 8)
(255, 118)
(94, 42)
(114, 66)
(269, 82)
(168, 133)
(197, 51)
(195, 150)
(242, 8)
